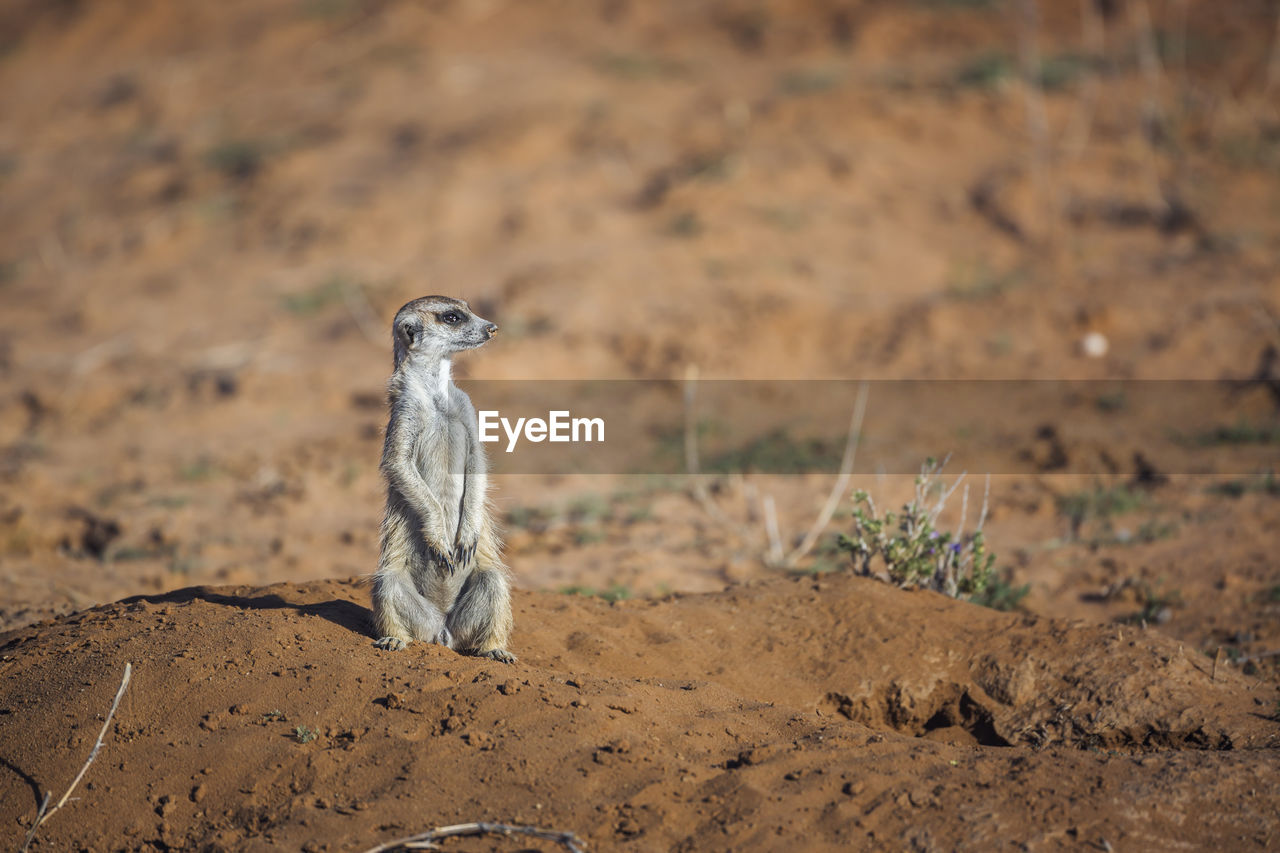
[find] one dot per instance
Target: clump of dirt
(788, 712)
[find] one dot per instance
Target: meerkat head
(436, 327)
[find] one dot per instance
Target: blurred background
(210, 211)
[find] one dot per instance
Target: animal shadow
(347, 614)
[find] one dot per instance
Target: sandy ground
(784, 712)
(209, 212)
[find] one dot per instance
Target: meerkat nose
(492, 329)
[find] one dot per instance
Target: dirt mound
(773, 714)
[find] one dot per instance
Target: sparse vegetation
(1100, 502)
(985, 71)
(1154, 530)
(1000, 593)
(685, 224)
(993, 69)
(1266, 484)
(588, 535)
(1112, 401)
(783, 218)
(305, 735)
(978, 281)
(911, 548)
(534, 518)
(1156, 604)
(777, 453)
(236, 159)
(317, 298)
(588, 509)
(637, 514)
(198, 470)
(615, 592)
(327, 9)
(640, 66)
(809, 81)
(1241, 433)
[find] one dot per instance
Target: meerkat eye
(452, 318)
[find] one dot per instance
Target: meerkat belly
(444, 470)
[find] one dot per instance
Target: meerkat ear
(411, 330)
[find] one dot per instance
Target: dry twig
(426, 840)
(1094, 33)
(775, 557)
(774, 554)
(692, 465)
(366, 319)
(842, 481)
(1037, 115)
(45, 812)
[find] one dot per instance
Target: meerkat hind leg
(480, 619)
(401, 615)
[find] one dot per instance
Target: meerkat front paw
(391, 644)
(464, 552)
(440, 556)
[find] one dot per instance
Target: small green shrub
(315, 299)
(685, 224)
(588, 535)
(913, 551)
(237, 159)
(616, 592)
(1266, 484)
(1001, 594)
(1157, 605)
(588, 509)
(1100, 502)
(304, 734)
(986, 71)
(1238, 434)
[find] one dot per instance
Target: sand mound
(771, 715)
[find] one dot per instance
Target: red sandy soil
(780, 714)
(209, 211)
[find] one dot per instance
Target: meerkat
(440, 578)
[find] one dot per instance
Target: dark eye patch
(451, 318)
